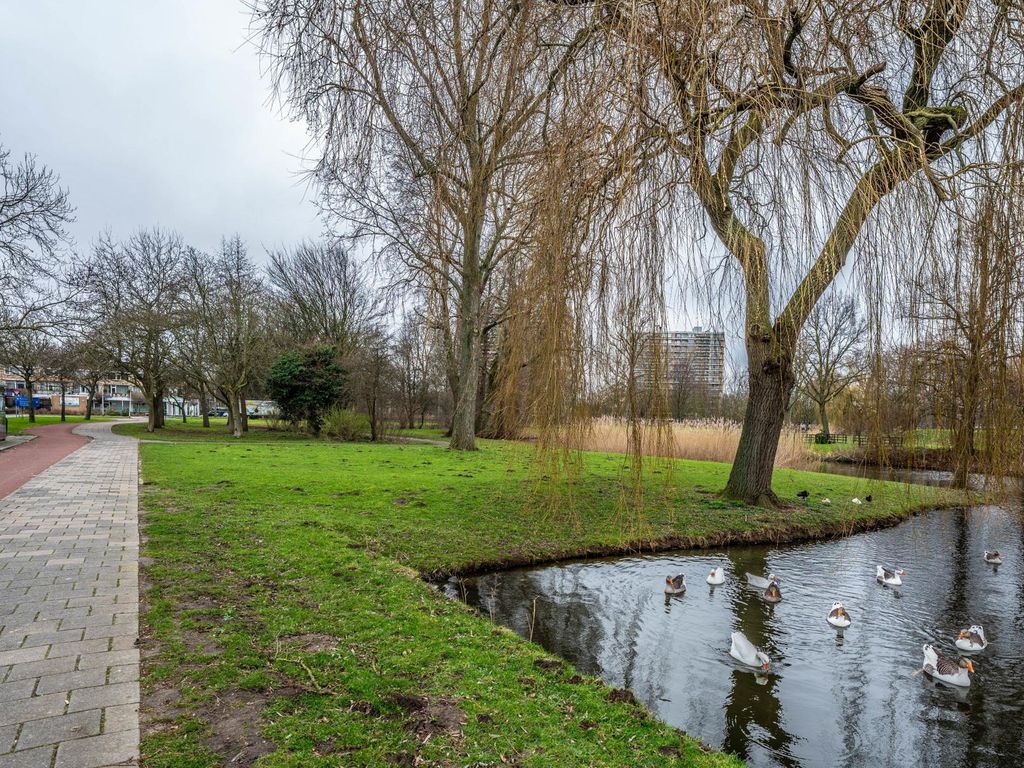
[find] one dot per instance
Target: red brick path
(53, 442)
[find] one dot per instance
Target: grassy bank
(18, 424)
(284, 617)
(194, 431)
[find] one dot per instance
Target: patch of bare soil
(235, 719)
(431, 717)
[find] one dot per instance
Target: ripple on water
(847, 698)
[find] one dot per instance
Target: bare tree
(425, 116)
(34, 211)
(322, 296)
(373, 377)
(415, 363)
(226, 300)
(131, 295)
(26, 351)
(830, 354)
(969, 304)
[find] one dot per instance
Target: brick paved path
(69, 602)
(53, 442)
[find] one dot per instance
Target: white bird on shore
(838, 617)
(972, 639)
(855, 500)
(675, 585)
(747, 653)
(890, 577)
(717, 576)
(993, 558)
(826, 501)
(946, 670)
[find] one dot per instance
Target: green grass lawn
(283, 604)
(430, 433)
(193, 430)
(18, 424)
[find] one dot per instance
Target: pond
(831, 698)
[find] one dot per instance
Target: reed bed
(699, 439)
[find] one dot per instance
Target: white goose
(890, 576)
(760, 581)
(675, 585)
(838, 617)
(972, 639)
(947, 670)
(993, 558)
(717, 576)
(747, 653)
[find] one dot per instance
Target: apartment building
(693, 359)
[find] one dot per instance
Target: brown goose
(675, 585)
(773, 594)
(945, 669)
(972, 639)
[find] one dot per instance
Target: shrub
(305, 383)
(345, 424)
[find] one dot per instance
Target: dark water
(830, 699)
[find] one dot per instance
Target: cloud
(154, 113)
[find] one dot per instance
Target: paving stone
(108, 695)
(19, 689)
(70, 681)
(40, 668)
(69, 600)
(32, 758)
(37, 707)
(52, 730)
(124, 717)
(108, 749)
(8, 734)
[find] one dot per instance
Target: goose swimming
(890, 576)
(972, 639)
(717, 576)
(773, 594)
(838, 617)
(947, 670)
(760, 581)
(675, 585)
(747, 653)
(993, 558)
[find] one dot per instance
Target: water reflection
(831, 699)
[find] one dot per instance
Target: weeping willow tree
(967, 308)
(425, 119)
(789, 137)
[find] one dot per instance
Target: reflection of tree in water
(749, 704)
(598, 630)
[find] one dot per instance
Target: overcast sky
(153, 112)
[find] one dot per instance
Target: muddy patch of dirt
(235, 719)
(431, 717)
(622, 696)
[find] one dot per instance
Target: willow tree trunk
(464, 419)
(771, 382)
(88, 403)
(63, 403)
(964, 451)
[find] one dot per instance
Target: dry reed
(700, 439)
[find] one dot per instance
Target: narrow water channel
(831, 699)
